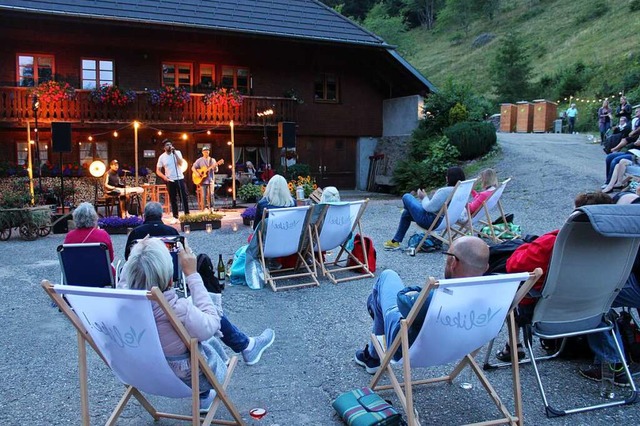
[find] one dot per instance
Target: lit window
(86, 152)
(96, 73)
(207, 77)
(325, 88)
(176, 74)
(22, 157)
(34, 69)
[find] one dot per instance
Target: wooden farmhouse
(287, 73)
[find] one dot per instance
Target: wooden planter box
(508, 117)
(525, 117)
(201, 226)
(544, 113)
(120, 230)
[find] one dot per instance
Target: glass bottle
(221, 269)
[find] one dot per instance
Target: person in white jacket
(150, 265)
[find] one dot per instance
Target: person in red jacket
(537, 254)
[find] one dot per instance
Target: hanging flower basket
(54, 91)
(172, 97)
(112, 96)
(223, 97)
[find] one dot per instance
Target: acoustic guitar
(200, 174)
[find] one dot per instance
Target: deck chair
(134, 353)
(86, 264)
(283, 234)
(482, 217)
(332, 230)
(592, 258)
(442, 339)
(441, 228)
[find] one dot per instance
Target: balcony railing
(16, 107)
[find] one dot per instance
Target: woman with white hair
(150, 265)
(330, 194)
(85, 219)
(276, 195)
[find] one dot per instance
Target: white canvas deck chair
(464, 314)
(332, 230)
(281, 234)
(120, 327)
(482, 217)
(592, 258)
(86, 264)
(449, 213)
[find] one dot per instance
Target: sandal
(505, 354)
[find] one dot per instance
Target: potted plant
(199, 221)
(169, 96)
(248, 215)
(54, 91)
(307, 183)
(118, 225)
(223, 97)
(112, 96)
(250, 192)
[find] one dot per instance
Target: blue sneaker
(261, 343)
(205, 403)
(362, 358)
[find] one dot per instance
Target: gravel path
(317, 330)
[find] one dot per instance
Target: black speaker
(60, 137)
(286, 134)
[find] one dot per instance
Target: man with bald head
(467, 257)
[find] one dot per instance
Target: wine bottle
(221, 269)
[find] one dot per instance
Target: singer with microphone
(170, 162)
(115, 187)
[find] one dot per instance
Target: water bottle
(299, 192)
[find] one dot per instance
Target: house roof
(294, 19)
(305, 19)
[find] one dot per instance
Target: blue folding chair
(86, 264)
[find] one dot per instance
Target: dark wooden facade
(327, 132)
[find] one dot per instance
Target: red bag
(359, 252)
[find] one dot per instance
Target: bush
(472, 139)
(594, 11)
(250, 192)
(458, 114)
(298, 169)
(634, 5)
(429, 169)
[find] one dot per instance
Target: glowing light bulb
(136, 124)
(184, 136)
(159, 132)
(209, 132)
(90, 138)
(115, 134)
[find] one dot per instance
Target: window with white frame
(97, 72)
(23, 153)
(101, 152)
(34, 69)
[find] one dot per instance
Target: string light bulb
(184, 136)
(209, 132)
(159, 132)
(90, 138)
(115, 133)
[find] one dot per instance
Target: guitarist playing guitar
(202, 174)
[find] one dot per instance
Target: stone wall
(394, 148)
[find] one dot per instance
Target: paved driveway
(317, 330)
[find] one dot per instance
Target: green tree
(511, 69)
(420, 12)
(458, 13)
(390, 28)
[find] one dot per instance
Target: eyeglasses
(446, 253)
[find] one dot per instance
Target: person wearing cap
(204, 169)
(390, 301)
(114, 186)
(170, 161)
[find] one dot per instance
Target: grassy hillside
(600, 34)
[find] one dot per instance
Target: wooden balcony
(16, 110)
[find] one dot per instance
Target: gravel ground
(317, 330)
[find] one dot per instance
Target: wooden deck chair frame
(404, 390)
(331, 268)
(441, 228)
(92, 273)
(471, 227)
(84, 337)
(304, 251)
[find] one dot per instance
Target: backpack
(208, 273)
(358, 252)
(430, 244)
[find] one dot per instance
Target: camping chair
(482, 217)
(592, 258)
(449, 214)
(283, 234)
(333, 230)
(139, 363)
(443, 338)
(86, 264)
